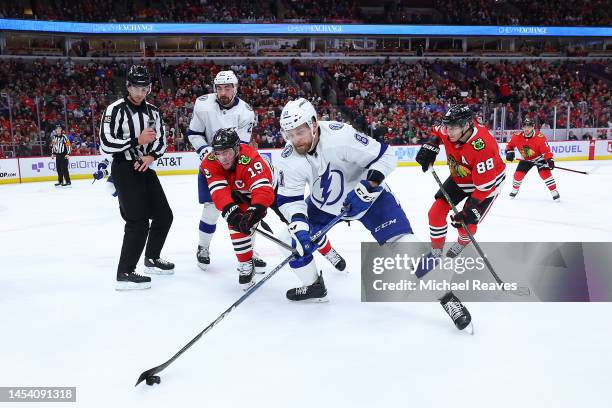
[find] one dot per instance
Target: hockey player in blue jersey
(343, 168)
(104, 172)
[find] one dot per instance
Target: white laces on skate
(163, 262)
(135, 274)
(455, 249)
(333, 256)
(301, 291)
(245, 268)
(203, 252)
(453, 309)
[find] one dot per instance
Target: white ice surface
(63, 324)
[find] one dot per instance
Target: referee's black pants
(61, 166)
(141, 198)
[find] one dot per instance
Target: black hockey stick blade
(266, 226)
(150, 372)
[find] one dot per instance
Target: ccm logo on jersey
(385, 225)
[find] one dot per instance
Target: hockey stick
(523, 291)
(560, 168)
(150, 374)
(275, 240)
(572, 170)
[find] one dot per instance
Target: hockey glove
(252, 216)
(551, 163)
(540, 163)
(98, 175)
(361, 198)
(205, 150)
(299, 230)
(232, 214)
(470, 214)
(510, 155)
(426, 155)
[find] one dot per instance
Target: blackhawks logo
(457, 169)
(211, 156)
(527, 152)
(244, 159)
(478, 144)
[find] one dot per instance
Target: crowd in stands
(211, 11)
(472, 12)
(43, 94)
(397, 102)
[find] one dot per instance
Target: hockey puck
(154, 379)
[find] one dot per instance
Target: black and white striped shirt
(61, 145)
(121, 125)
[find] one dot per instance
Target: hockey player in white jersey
(343, 168)
(219, 110)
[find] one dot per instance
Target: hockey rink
(63, 324)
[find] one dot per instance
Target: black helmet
(458, 115)
(225, 139)
(528, 122)
(138, 75)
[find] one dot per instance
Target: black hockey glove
(251, 217)
(232, 214)
(470, 214)
(510, 155)
(426, 155)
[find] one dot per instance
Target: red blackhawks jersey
(531, 148)
(251, 176)
(475, 165)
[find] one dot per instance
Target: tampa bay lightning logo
(336, 125)
(330, 187)
(287, 151)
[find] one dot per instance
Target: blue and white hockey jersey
(342, 159)
(209, 116)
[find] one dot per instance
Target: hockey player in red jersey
(535, 150)
(477, 173)
(233, 166)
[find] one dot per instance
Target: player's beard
(303, 148)
(225, 100)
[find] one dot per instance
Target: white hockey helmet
(226, 77)
(296, 113)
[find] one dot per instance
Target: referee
(132, 131)
(61, 151)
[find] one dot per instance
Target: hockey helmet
(138, 75)
(225, 139)
(459, 114)
(295, 113)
